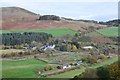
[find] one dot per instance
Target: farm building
(30, 48)
(79, 62)
(87, 47)
(48, 47)
(64, 66)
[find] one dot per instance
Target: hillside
(14, 18)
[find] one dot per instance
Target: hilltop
(15, 18)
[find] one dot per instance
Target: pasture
(21, 68)
(73, 73)
(26, 68)
(54, 32)
(9, 51)
(109, 32)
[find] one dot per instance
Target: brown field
(14, 18)
(9, 51)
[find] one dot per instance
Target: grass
(26, 68)
(54, 32)
(21, 68)
(8, 51)
(109, 32)
(73, 73)
(93, 34)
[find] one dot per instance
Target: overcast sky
(100, 10)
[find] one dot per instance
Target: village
(64, 61)
(59, 40)
(61, 54)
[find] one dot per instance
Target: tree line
(23, 38)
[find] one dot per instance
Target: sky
(99, 10)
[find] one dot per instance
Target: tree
(88, 74)
(114, 71)
(24, 38)
(102, 56)
(103, 72)
(73, 48)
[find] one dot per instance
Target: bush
(89, 59)
(47, 68)
(102, 56)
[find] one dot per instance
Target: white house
(87, 47)
(64, 66)
(48, 47)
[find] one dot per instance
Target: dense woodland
(23, 38)
(49, 17)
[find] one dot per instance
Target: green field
(21, 68)
(109, 32)
(73, 73)
(26, 68)
(93, 34)
(54, 32)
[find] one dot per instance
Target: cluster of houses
(46, 47)
(66, 66)
(43, 47)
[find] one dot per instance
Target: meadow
(54, 32)
(9, 51)
(73, 73)
(109, 32)
(21, 68)
(26, 68)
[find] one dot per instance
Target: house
(87, 47)
(64, 66)
(30, 48)
(48, 47)
(79, 62)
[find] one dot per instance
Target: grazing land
(109, 32)
(71, 74)
(21, 68)
(9, 51)
(54, 32)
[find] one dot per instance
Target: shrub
(102, 56)
(47, 68)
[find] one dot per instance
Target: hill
(15, 18)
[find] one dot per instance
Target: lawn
(109, 32)
(54, 32)
(21, 68)
(73, 73)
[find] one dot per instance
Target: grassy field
(54, 32)
(21, 68)
(8, 51)
(109, 32)
(26, 68)
(93, 34)
(73, 73)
